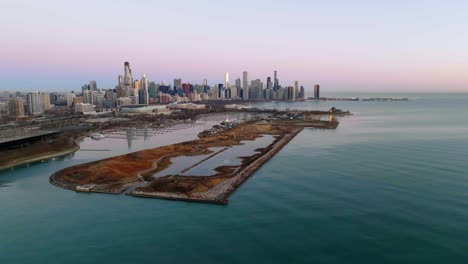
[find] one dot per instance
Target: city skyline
(359, 46)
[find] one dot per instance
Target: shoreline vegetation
(133, 174)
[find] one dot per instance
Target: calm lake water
(390, 185)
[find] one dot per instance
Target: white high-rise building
(45, 97)
(245, 85)
(143, 92)
(35, 103)
(70, 97)
(84, 108)
(226, 81)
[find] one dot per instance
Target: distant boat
(97, 136)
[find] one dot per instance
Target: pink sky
(366, 46)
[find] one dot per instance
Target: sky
(359, 45)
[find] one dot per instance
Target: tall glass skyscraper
(128, 80)
(245, 85)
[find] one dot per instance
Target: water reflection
(129, 133)
(4, 184)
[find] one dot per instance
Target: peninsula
(208, 169)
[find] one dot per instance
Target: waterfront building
(317, 91)
(205, 97)
(195, 96)
(134, 99)
(186, 106)
(149, 109)
(84, 108)
(302, 93)
(245, 85)
(128, 79)
(124, 101)
(164, 98)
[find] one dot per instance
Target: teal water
(390, 185)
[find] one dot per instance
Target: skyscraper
(245, 85)
(296, 89)
(45, 101)
(120, 86)
(128, 80)
(143, 92)
(276, 81)
(226, 80)
(70, 97)
(120, 81)
(88, 97)
(35, 103)
(177, 83)
(269, 83)
(316, 91)
(238, 87)
(85, 87)
(136, 84)
(93, 85)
